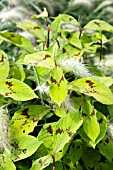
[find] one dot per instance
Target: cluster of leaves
(58, 104)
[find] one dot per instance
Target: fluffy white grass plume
(15, 14)
(4, 139)
(75, 66)
(43, 88)
(68, 104)
(110, 130)
(86, 3)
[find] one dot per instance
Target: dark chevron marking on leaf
(55, 81)
(24, 150)
(68, 36)
(71, 19)
(101, 120)
(46, 56)
(8, 93)
(90, 83)
(84, 114)
(93, 113)
(60, 131)
(25, 112)
(64, 50)
(9, 87)
(97, 23)
(15, 145)
(9, 84)
(12, 35)
(40, 161)
(50, 130)
(107, 140)
(36, 27)
(77, 54)
(68, 132)
(2, 60)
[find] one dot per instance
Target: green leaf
(90, 157)
(33, 28)
(18, 40)
(4, 65)
(56, 135)
(91, 127)
(106, 149)
(75, 148)
(67, 50)
(24, 146)
(42, 59)
(44, 14)
(73, 39)
(103, 126)
(60, 22)
(17, 72)
(41, 163)
(16, 89)
(26, 118)
(6, 163)
(99, 25)
(93, 87)
(58, 87)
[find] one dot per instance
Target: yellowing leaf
(58, 87)
(26, 118)
(42, 59)
(93, 87)
(18, 40)
(99, 25)
(4, 65)
(16, 89)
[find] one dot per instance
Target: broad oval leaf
(99, 25)
(23, 147)
(18, 40)
(61, 21)
(33, 28)
(4, 65)
(42, 59)
(93, 87)
(26, 118)
(6, 163)
(91, 127)
(42, 163)
(17, 72)
(56, 135)
(58, 87)
(16, 89)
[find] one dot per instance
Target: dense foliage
(55, 104)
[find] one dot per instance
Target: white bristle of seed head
(75, 66)
(4, 138)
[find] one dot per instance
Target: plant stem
(38, 84)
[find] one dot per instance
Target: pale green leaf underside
(93, 87)
(16, 89)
